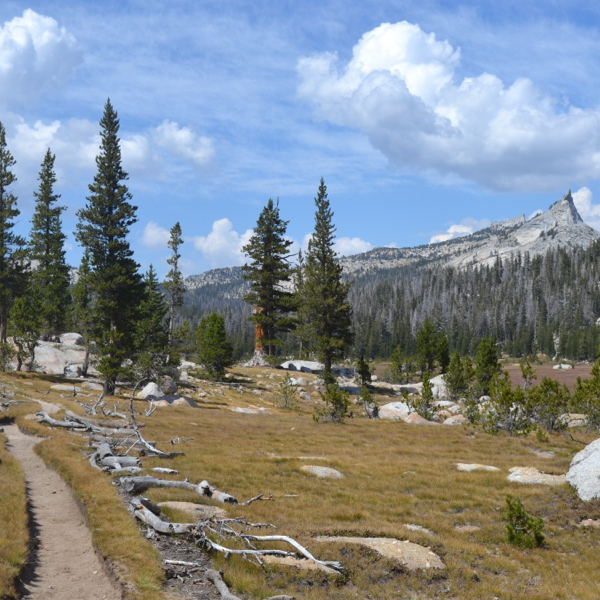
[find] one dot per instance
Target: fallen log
(73, 425)
(149, 518)
(138, 485)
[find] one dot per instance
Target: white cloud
(155, 236)
(198, 150)
(590, 212)
(399, 88)
(346, 246)
(465, 227)
(222, 247)
(36, 56)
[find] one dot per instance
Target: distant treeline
(543, 304)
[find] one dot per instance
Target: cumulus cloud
(197, 150)
(346, 246)
(465, 227)
(36, 56)
(590, 212)
(155, 236)
(222, 247)
(400, 89)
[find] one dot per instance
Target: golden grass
(395, 474)
(13, 519)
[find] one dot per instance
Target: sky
(427, 119)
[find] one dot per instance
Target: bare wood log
(181, 563)
(137, 485)
(147, 516)
(46, 418)
(284, 538)
(165, 470)
(118, 462)
(215, 578)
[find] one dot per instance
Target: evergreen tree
(442, 351)
(50, 277)
(83, 317)
(12, 265)
(327, 312)
(214, 351)
(25, 326)
(269, 273)
(363, 371)
(486, 363)
(426, 346)
(102, 231)
(152, 335)
(174, 281)
(458, 377)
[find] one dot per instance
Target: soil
(567, 376)
(63, 564)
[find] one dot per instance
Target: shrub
(522, 530)
(337, 404)
(287, 394)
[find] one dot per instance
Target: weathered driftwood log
(138, 485)
(44, 417)
(104, 458)
(215, 578)
(145, 515)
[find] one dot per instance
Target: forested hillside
(548, 303)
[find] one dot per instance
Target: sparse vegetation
(372, 499)
(522, 530)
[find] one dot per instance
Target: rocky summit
(560, 225)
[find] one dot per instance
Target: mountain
(561, 225)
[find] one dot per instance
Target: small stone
(533, 475)
(469, 467)
(322, 472)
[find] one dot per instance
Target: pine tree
(174, 281)
(327, 312)
(426, 346)
(83, 317)
(269, 273)
(25, 325)
(214, 351)
(12, 265)
(50, 277)
(486, 363)
(152, 335)
(102, 230)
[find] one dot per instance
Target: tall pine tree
(269, 272)
(50, 277)
(325, 308)
(12, 266)
(174, 281)
(102, 231)
(152, 334)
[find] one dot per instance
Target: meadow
(396, 476)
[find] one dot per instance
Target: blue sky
(426, 118)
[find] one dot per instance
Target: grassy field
(396, 474)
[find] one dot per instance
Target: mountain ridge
(560, 225)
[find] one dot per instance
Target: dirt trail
(65, 566)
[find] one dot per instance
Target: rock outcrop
(584, 472)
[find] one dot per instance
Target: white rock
(306, 366)
(533, 475)
(562, 367)
(584, 472)
(71, 339)
(150, 389)
(322, 472)
(470, 467)
(455, 420)
(394, 410)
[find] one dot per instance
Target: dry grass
(115, 535)
(395, 474)
(13, 519)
